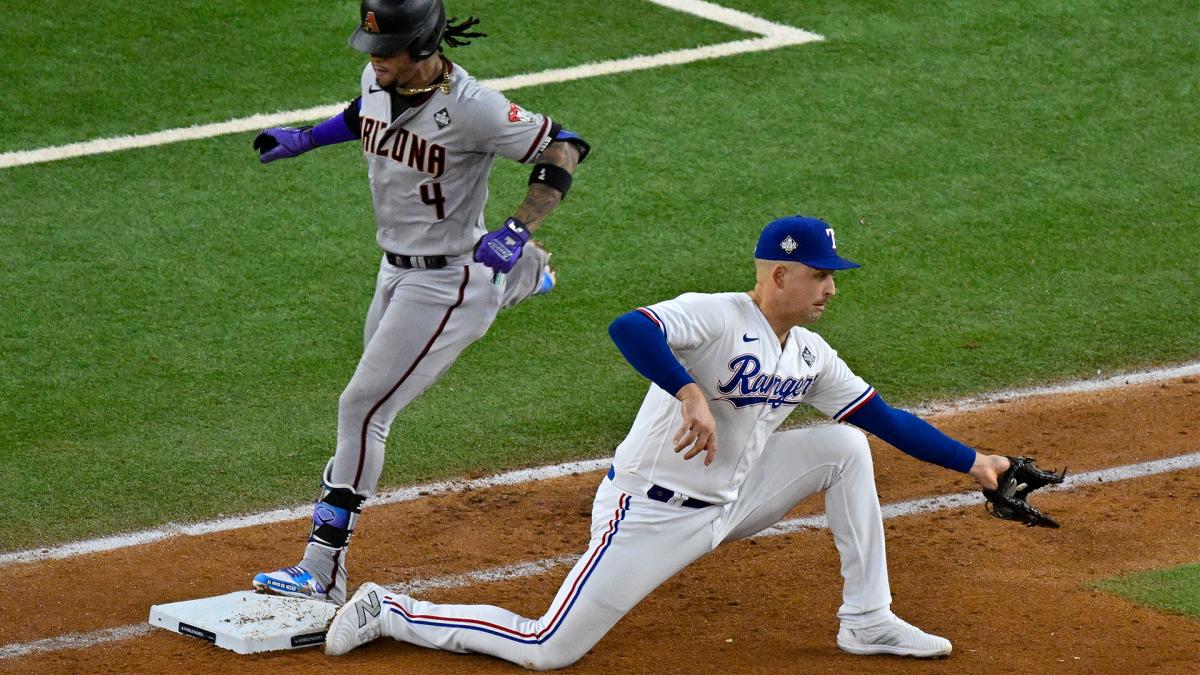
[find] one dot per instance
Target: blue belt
(661, 494)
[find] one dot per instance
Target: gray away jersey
(429, 167)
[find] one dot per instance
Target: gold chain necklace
(444, 85)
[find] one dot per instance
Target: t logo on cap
(801, 239)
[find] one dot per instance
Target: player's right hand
(501, 249)
(281, 142)
(699, 429)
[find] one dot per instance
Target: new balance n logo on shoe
(368, 605)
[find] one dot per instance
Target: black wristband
(552, 175)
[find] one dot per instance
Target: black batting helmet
(389, 26)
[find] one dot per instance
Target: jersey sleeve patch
(519, 115)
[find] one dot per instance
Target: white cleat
(358, 621)
(894, 636)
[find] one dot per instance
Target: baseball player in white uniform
(702, 465)
(429, 133)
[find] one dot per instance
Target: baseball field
(1018, 179)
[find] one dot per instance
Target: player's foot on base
(293, 582)
(358, 621)
(894, 636)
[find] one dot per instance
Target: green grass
(1175, 590)
(120, 68)
(1017, 178)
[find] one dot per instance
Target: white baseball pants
(638, 543)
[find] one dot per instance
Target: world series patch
(807, 356)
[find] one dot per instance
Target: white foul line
(1134, 378)
(75, 641)
(954, 501)
(172, 530)
(773, 35)
(536, 567)
(411, 493)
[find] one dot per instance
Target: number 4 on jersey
(431, 194)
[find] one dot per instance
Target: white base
(247, 622)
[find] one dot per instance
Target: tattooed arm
(542, 198)
(548, 183)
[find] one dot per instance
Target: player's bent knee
(356, 399)
(552, 659)
(558, 652)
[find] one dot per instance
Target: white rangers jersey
(428, 165)
(752, 384)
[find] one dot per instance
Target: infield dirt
(1011, 599)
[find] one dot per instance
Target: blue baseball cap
(803, 240)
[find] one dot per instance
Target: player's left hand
(1010, 499)
(501, 249)
(699, 429)
(988, 468)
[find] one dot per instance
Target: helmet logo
(369, 23)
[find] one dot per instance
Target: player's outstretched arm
(922, 440)
(545, 193)
(283, 142)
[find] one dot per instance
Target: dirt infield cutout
(765, 604)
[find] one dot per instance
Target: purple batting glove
(280, 142)
(500, 249)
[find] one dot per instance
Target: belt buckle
(662, 494)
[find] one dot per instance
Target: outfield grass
(1175, 590)
(1018, 179)
(121, 68)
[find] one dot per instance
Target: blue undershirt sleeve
(911, 435)
(575, 139)
(644, 346)
(340, 128)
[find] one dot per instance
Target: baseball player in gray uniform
(429, 133)
(727, 366)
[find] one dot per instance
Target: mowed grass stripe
(133, 68)
(506, 84)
